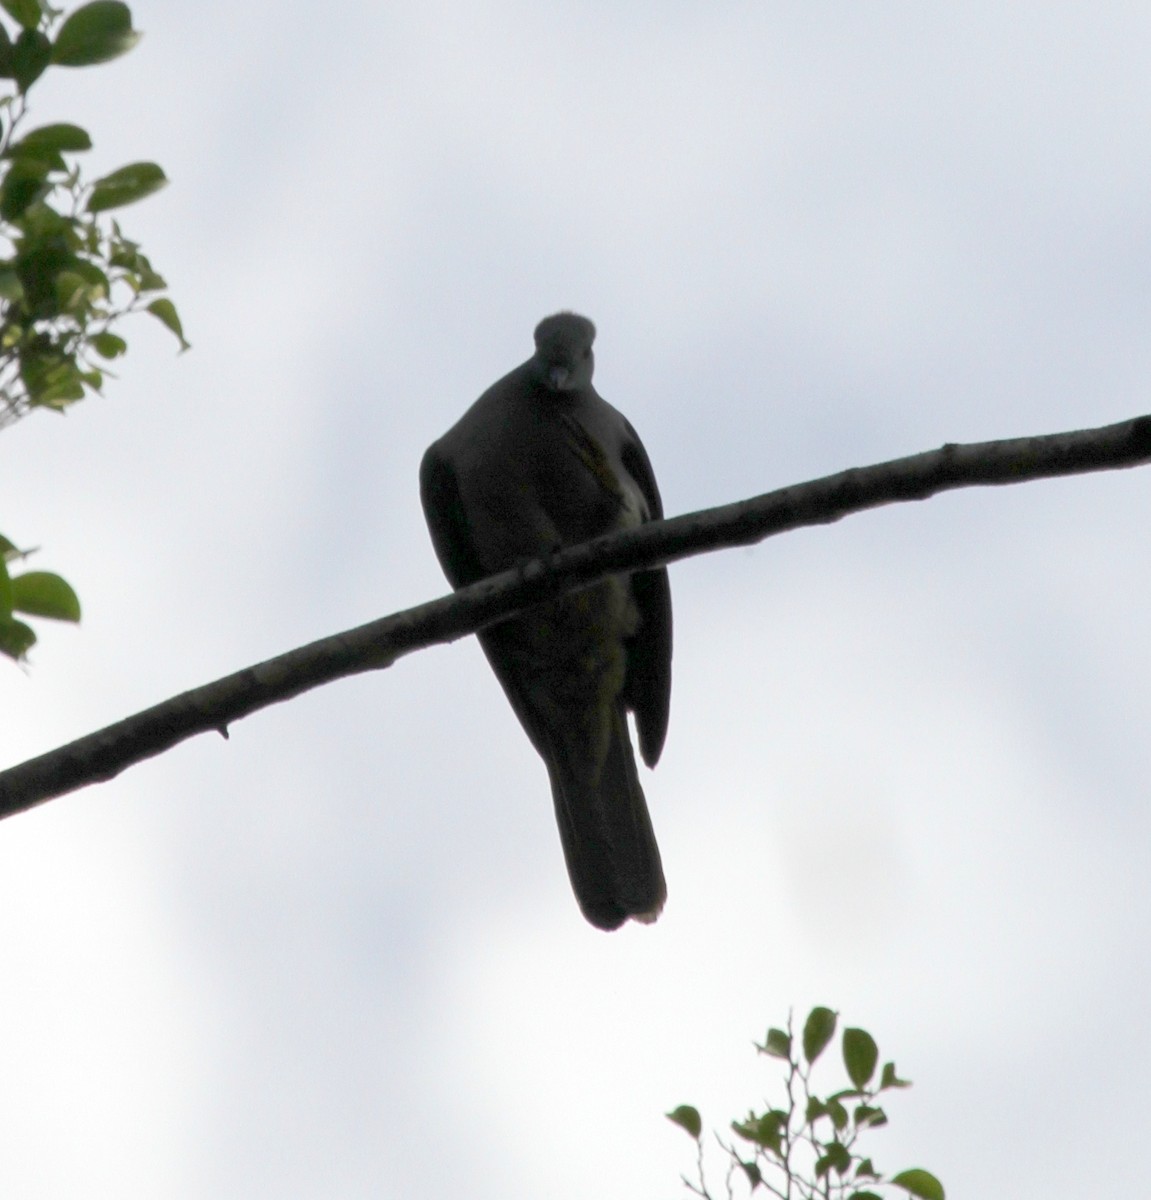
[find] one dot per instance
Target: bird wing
(648, 688)
(451, 538)
(447, 522)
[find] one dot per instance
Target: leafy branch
(68, 273)
(808, 1147)
(33, 593)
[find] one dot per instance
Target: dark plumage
(540, 461)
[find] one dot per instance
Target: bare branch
(104, 754)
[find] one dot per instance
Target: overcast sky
(907, 770)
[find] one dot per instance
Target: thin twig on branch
(102, 755)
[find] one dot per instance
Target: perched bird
(539, 462)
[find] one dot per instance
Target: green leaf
(866, 1167)
(45, 222)
(860, 1054)
(818, 1030)
(920, 1183)
(686, 1118)
(869, 1114)
(5, 53)
(61, 136)
(8, 550)
(71, 291)
(5, 593)
(24, 183)
(165, 311)
(108, 345)
(92, 275)
(778, 1044)
(42, 262)
(126, 186)
(766, 1130)
(836, 1158)
(95, 33)
(865, 1196)
(149, 281)
(53, 380)
(51, 159)
(16, 638)
(30, 58)
(26, 12)
(11, 289)
(42, 594)
(889, 1079)
(753, 1173)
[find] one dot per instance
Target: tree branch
(102, 755)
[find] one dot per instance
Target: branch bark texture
(104, 754)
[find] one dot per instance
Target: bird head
(563, 359)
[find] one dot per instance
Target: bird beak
(559, 379)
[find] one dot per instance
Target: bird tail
(608, 840)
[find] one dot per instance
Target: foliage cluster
(68, 274)
(807, 1148)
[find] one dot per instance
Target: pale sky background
(907, 770)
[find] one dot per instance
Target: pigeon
(539, 462)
